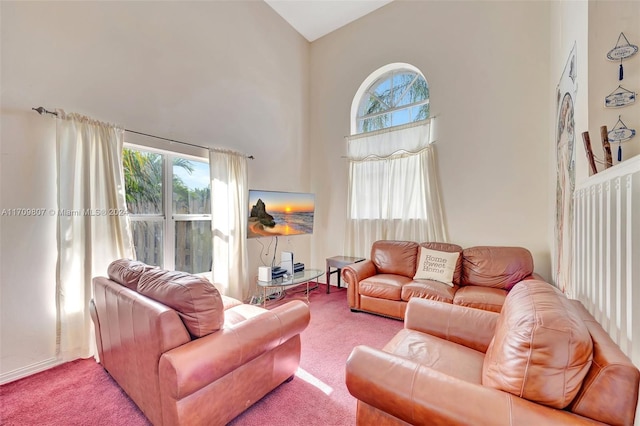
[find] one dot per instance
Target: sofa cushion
(436, 265)
(383, 286)
(500, 267)
(428, 289)
(395, 257)
(486, 298)
(127, 272)
(196, 300)
(439, 354)
(541, 350)
(451, 248)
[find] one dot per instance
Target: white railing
(606, 247)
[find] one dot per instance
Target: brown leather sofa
(185, 354)
(482, 277)
(543, 360)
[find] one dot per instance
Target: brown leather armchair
(543, 360)
(184, 353)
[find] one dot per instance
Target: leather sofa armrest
(93, 311)
(357, 272)
(352, 275)
(194, 365)
(473, 328)
(418, 394)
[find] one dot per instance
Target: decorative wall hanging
(565, 172)
(619, 98)
(623, 50)
(620, 133)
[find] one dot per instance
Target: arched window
(393, 192)
(394, 95)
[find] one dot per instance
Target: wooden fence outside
(193, 239)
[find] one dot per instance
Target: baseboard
(29, 370)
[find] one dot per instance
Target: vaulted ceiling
(316, 18)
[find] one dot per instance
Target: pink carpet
(76, 393)
(81, 392)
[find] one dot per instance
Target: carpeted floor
(82, 393)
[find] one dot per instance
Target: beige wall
(594, 26)
(487, 65)
(223, 74)
(622, 16)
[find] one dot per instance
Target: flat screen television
(277, 213)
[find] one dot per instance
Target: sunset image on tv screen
(273, 213)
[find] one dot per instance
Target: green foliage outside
(144, 190)
(143, 181)
(393, 92)
(143, 176)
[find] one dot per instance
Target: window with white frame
(169, 201)
(393, 192)
(396, 97)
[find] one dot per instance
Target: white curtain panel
(93, 227)
(393, 188)
(229, 213)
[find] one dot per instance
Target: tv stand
(298, 278)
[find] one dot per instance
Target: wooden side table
(339, 262)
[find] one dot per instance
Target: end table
(339, 262)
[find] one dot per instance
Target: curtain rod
(41, 111)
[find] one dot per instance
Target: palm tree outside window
(169, 202)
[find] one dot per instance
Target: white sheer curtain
(92, 227)
(229, 213)
(393, 191)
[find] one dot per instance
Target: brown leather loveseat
(478, 277)
(185, 354)
(543, 360)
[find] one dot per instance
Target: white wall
(223, 74)
(570, 26)
(487, 65)
(594, 26)
(620, 16)
(28, 244)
